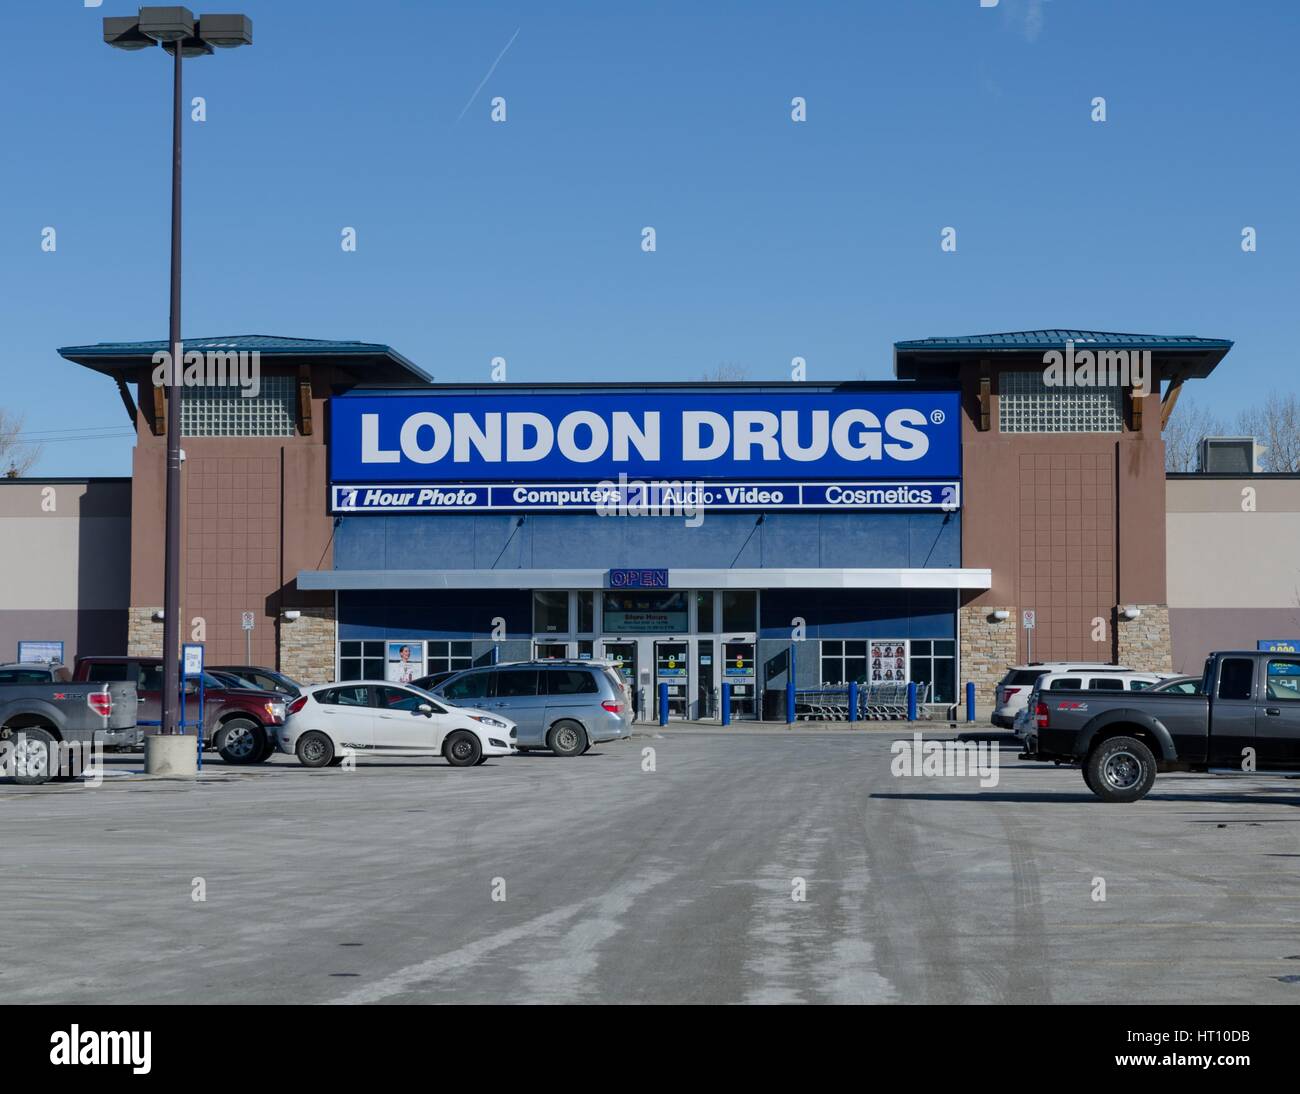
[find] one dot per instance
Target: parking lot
(671, 885)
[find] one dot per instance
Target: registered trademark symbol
(936, 416)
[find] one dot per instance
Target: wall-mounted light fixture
(290, 614)
(1000, 616)
(1132, 613)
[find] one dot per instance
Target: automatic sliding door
(672, 669)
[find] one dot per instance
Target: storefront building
(690, 533)
(367, 521)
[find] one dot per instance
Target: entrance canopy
(748, 578)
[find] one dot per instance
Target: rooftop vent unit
(1229, 456)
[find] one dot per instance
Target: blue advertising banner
(642, 498)
(442, 438)
(1278, 645)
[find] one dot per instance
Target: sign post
(246, 621)
(192, 669)
(1030, 621)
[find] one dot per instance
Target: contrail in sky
(489, 73)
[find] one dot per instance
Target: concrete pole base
(175, 755)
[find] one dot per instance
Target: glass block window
(1027, 405)
(221, 411)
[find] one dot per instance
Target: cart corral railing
(876, 703)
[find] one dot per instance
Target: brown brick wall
(1067, 552)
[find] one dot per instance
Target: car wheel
(462, 749)
(481, 761)
(33, 750)
(567, 739)
(268, 750)
(241, 741)
(315, 749)
(1121, 769)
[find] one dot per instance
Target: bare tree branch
(1187, 425)
(16, 455)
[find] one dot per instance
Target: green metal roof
(115, 358)
(1183, 356)
(1055, 339)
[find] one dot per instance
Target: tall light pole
(182, 35)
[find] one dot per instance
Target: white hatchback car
(378, 718)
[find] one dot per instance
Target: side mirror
(425, 709)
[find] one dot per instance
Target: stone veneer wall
(986, 649)
(1143, 643)
(307, 646)
(144, 634)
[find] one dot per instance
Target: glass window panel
(569, 682)
(473, 685)
(550, 612)
(739, 610)
(704, 611)
(512, 683)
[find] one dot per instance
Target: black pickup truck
(1245, 721)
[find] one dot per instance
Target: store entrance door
(672, 667)
(623, 654)
(738, 670)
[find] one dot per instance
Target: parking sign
(1029, 619)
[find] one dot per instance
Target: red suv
(235, 720)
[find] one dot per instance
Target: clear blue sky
(775, 239)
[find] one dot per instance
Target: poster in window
(405, 661)
(888, 661)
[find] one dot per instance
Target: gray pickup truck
(1245, 721)
(39, 714)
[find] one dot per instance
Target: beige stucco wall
(65, 564)
(1224, 555)
(1233, 564)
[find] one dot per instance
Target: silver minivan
(564, 706)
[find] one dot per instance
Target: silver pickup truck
(44, 718)
(1246, 721)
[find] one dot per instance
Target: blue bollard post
(970, 700)
(726, 703)
(911, 701)
(853, 701)
(663, 704)
(789, 703)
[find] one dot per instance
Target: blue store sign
(445, 438)
(638, 579)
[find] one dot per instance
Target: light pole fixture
(183, 35)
